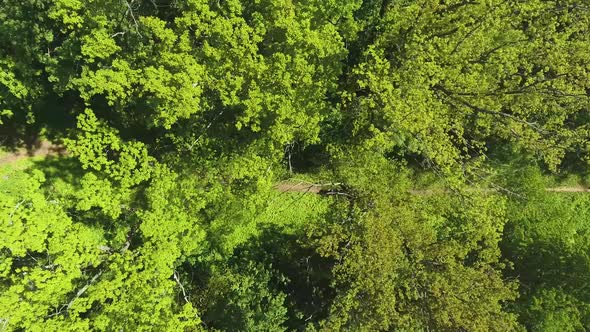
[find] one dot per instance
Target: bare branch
(177, 279)
(83, 289)
(14, 210)
(130, 11)
(204, 131)
(463, 102)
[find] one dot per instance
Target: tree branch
(177, 279)
(83, 289)
(463, 102)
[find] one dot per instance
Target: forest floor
(47, 149)
(42, 149)
(313, 188)
(300, 187)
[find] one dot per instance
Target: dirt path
(300, 187)
(44, 149)
(577, 189)
(313, 188)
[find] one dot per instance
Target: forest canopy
(283, 165)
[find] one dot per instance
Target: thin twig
(14, 210)
(204, 131)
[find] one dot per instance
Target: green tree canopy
(272, 165)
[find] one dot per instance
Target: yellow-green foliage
(178, 118)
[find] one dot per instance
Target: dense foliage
(274, 165)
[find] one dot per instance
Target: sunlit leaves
(451, 76)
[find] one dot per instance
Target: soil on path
(300, 187)
(313, 188)
(43, 149)
(46, 148)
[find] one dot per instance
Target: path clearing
(44, 149)
(314, 188)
